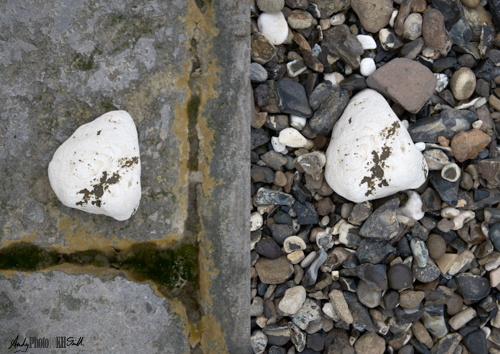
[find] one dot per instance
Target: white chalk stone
(420, 145)
(277, 146)
(367, 41)
(371, 155)
(98, 169)
(273, 26)
(292, 138)
(413, 206)
(367, 66)
(297, 122)
(334, 78)
(256, 221)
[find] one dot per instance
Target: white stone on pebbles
(335, 78)
(367, 67)
(292, 138)
(371, 155)
(297, 122)
(273, 26)
(292, 301)
(367, 41)
(98, 169)
(413, 206)
(277, 146)
(463, 83)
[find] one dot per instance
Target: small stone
(475, 342)
(434, 321)
(292, 138)
(270, 5)
(436, 159)
(360, 213)
(337, 19)
(383, 222)
(494, 102)
(268, 248)
(293, 243)
(375, 276)
(411, 299)
(373, 14)
(451, 172)
(473, 287)
(412, 207)
(399, 276)
(448, 191)
(293, 300)
(262, 49)
(256, 221)
(370, 343)
(412, 49)
(258, 342)
(307, 313)
(467, 145)
(420, 252)
(463, 84)
(257, 73)
(426, 274)
(98, 169)
(421, 333)
(274, 271)
(312, 272)
(325, 206)
(461, 319)
(392, 81)
(349, 170)
(367, 42)
(449, 123)
(367, 67)
(436, 246)
(306, 213)
(413, 27)
(291, 98)
(340, 306)
(373, 251)
(328, 104)
(299, 19)
(368, 296)
(447, 344)
(273, 26)
(434, 30)
(495, 277)
(267, 196)
(463, 258)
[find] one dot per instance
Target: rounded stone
(471, 3)
(463, 83)
(368, 296)
(299, 19)
(98, 169)
(274, 271)
(270, 5)
(413, 26)
(411, 299)
(451, 172)
(273, 26)
(365, 159)
(399, 276)
(293, 243)
(268, 248)
(293, 300)
(370, 343)
(292, 138)
(436, 246)
(473, 287)
(258, 342)
(494, 235)
(367, 66)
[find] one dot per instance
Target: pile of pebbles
(407, 264)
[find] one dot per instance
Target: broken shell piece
(98, 169)
(462, 218)
(451, 172)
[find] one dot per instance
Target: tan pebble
(280, 179)
(443, 141)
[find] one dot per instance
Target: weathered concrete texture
(57, 304)
(180, 68)
(63, 64)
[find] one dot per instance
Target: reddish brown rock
(434, 30)
(373, 14)
(466, 145)
(394, 78)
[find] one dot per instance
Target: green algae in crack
(83, 63)
(168, 267)
(24, 256)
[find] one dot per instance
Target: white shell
(371, 155)
(98, 169)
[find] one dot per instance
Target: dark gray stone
(494, 235)
(426, 274)
(448, 191)
(306, 213)
(266, 196)
(328, 105)
(473, 287)
(399, 276)
(259, 137)
(262, 174)
(382, 223)
(291, 98)
(405, 316)
(268, 248)
(449, 123)
(375, 276)
(373, 251)
(281, 232)
(312, 272)
(475, 342)
(362, 319)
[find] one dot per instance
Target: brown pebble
(433, 29)
(280, 179)
(494, 102)
(436, 246)
(445, 225)
(467, 145)
(443, 141)
(346, 210)
(471, 3)
(289, 181)
(325, 206)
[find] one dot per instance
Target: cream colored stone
(444, 263)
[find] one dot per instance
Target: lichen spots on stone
(125, 162)
(98, 189)
(377, 171)
(386, 133)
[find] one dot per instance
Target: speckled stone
(399, 276)
(274, 271)
(463, 84)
